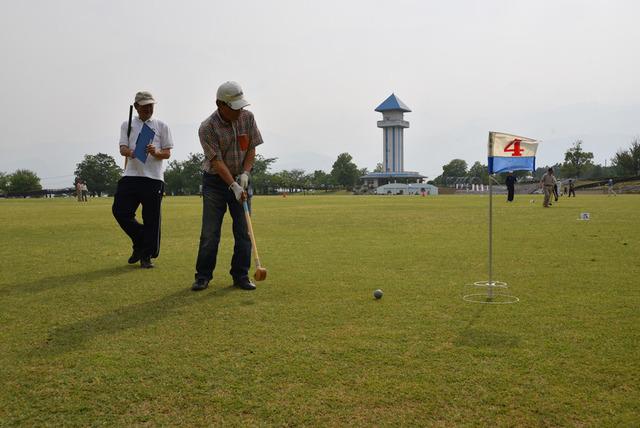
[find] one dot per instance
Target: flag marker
(506, 153)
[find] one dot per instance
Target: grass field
(88, 340)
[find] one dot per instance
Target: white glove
(243, 179)
(237, 190)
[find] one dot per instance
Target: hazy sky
(314, 71)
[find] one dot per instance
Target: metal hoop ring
(482, 298)
(496, 284)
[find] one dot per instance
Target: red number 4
(515, 150)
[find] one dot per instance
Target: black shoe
(199, 284)
(244, 284)
(135, 257)
(145, 263)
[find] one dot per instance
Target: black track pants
(131, 192)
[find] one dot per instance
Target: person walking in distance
(79, 189)
(143, 179)
(85, 191)
(610, 188)
(229, 138)
(510, 181)
(547, 182)
(572, 188)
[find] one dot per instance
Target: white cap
(144, 97)
(231, 94)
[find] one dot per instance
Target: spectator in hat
(142, 182)
(547, 182)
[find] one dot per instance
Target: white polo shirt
(152, 168)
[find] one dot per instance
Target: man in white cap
(229, 138)
(143, 179)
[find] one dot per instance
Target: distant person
(229, 138)
(85, 191)
(79, 189)
(511, 186)
(143, 182)
(572, 188)
(555, 191)
(610, 188)
(547, 182)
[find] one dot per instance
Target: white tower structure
(393, 174)
(393, 125)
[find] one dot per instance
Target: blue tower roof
(392, 103)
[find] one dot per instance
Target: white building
(407, 189)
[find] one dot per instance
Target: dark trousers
(130, 193)
(216, 197)
(510, 192)
(572, 192)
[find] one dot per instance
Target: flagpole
(505, 150)
(490, 283)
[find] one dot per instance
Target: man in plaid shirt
(229, 138)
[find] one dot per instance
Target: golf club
(261, 273)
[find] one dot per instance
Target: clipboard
(144, 138)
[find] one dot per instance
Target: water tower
(393, 125)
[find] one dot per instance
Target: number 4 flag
(511, 153)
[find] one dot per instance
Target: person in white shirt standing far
(142, 182)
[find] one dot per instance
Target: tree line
(184, 177)
(21, 181)
(101, 173)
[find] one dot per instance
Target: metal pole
(490, 284)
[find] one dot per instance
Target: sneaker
(244, 284)
(135, 257)
(145, 263)
(199, 284)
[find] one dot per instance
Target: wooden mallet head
(260, 274)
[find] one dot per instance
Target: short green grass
(86, 339)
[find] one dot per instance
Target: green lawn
(86, 339)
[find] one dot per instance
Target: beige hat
(144, 97)
(231, 94)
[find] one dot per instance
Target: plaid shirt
(219, 140)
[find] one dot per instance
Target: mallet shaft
(253, 240)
